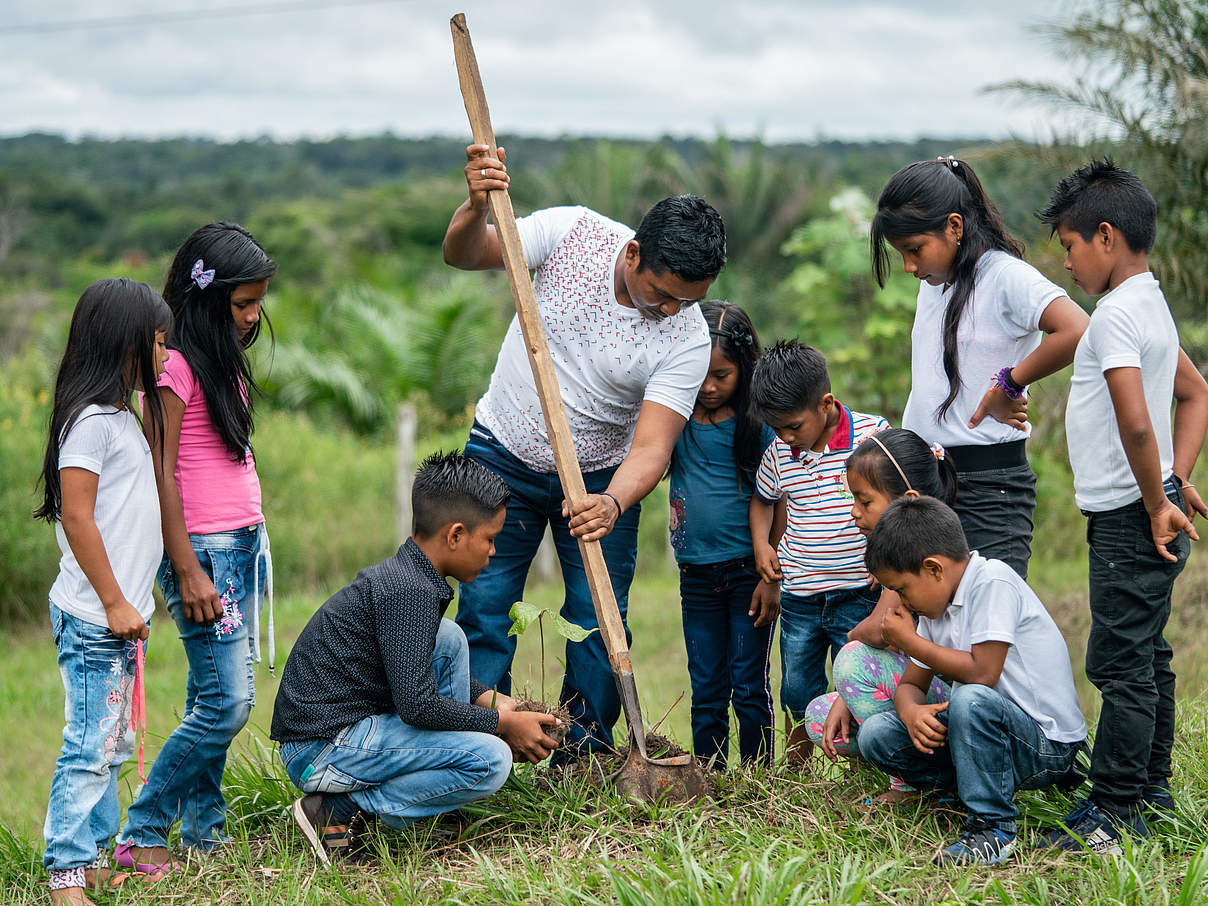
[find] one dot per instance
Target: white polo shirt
(993, 604)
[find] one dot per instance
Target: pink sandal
(123, 855)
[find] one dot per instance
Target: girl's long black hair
(110, 350)
(928, 474)
(731, 329)
(205, 330)
(918, 199)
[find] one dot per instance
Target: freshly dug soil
(558, 734)
(600, 766)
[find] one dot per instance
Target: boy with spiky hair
(1132, 470)
(377, 711)
(819, 560)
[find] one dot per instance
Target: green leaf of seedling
(571, 631)
(523, 616)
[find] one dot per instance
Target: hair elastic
(885, 450)
(1007, 384)
(951, 161)
(939, 451)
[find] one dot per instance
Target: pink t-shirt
(218, 493)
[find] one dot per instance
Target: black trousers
(995, 507)
(1127, 657)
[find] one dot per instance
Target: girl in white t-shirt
(99, 492)
(987, 324)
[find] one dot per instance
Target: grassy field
(769, 837)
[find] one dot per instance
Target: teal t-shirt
(708, 519)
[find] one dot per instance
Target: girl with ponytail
(987, 324)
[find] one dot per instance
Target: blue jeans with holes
(589, 690)
(403, 773)
(185, 784)
(994, 748)
(727, 660)
(98, 681)
(810, 625)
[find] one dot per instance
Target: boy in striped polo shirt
(819, 562)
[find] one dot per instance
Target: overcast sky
(785, 69)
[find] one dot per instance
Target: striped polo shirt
(822, 549)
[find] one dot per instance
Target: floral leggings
(866, 678)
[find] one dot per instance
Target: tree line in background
(366, 314)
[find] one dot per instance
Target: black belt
(982, 458)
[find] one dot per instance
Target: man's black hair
(451, 487)
(911, 530)
(789, 377)
(685, 235)
(1099, 193)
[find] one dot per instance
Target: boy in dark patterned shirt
(377, 711)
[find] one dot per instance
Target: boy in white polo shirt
(1131, 471)
(1013, 720)
(819, 561)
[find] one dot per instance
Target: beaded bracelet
(1007, 384)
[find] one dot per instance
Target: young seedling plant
(525, 615)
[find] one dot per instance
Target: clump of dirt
(598, 767)
(556, 733)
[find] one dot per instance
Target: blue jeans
(98, 682)
(994, 748)
(727, 660)
(810, 625)
(185, 783)
(589, 690)
(399, 772)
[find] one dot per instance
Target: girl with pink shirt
(216, 572)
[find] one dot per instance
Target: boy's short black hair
(911, 530)
(789, 377)
(685, 235)
(1099, 193)
(451, 487)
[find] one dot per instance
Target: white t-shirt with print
(999, 327)
(107, 441)
(1131, 327)
(993, 604)
(608, 358)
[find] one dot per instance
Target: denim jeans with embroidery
(403, 773)
(98, 681)
(185, 783)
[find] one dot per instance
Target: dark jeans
(994, 748)
(589, 690)
(1127, 657)
(995, 507)
(727, 660)
(810, 625)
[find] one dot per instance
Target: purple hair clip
(202, 278)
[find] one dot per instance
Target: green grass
(771, 837)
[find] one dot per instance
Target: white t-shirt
(999, 327)
(993, 604)
(608, 358)
(1131, 327)
(107, 441)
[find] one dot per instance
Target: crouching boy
(377, 711)
(1013, 721)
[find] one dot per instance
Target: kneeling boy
(1013, 721)
(377, 711)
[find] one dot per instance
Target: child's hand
(1001, 407)
(1166, 524)
(837, 726)
(927, 731)
(765, 603)
(198, 598)
(125, 622)
(1191, 498)
(767, 564)
(897, 627)
(524, 731)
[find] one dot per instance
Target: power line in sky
(185, 15)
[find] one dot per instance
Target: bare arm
(198, 598)
(761, 516)
(1141, 448)
(471, 244)
(868, 630)
(1190, 423)
(981, 665)
(654, 438)
(79, 503)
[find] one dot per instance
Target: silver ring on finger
(483, 171)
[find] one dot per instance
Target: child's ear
(933, 567)
(1105, 235)
(956, 227)
(827, 402)
(455, 534)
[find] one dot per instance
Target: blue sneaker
(1090, 828)
(978, 845)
